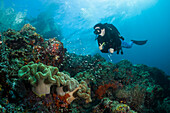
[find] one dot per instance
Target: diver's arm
(103, 49)
(111, 47)
(101, 46)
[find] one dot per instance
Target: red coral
(51, 53)
(60, 101)
(103, 88)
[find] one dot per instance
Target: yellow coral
(0, 87)
(122, 108)
(28, 26)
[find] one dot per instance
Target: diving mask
(97, 31)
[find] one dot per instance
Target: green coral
(33, 72)
(42, 77)
(122, 108)
(85, 76)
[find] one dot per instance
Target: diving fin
(139, 42)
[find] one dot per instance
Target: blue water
(72, 22)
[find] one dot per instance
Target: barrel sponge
(34, 72)
(84, 92)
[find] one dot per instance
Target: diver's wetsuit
(111, 39)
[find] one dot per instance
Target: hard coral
(50, 53)
(85, 76)
(78, 63)
(19, 45)
(122, 108)
(14, 40)
(103, 88)
(108, 106)
(134, 97)
(21, 39)
(27, 29)
(55, 48)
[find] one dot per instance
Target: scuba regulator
(97, 32)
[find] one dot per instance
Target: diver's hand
(100, 46)
(111, 50)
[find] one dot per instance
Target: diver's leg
(126, 44)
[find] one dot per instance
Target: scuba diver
(110, 40)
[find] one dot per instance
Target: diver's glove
(111, 50)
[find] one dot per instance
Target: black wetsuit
(111, 39)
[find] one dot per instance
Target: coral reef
(18, 46)
(50, 53)
(77, 63)
(40, 76)
(85, 76)
(21, 39)
(27, 45)
(108, 106)
(136, 85)
(102, 89)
